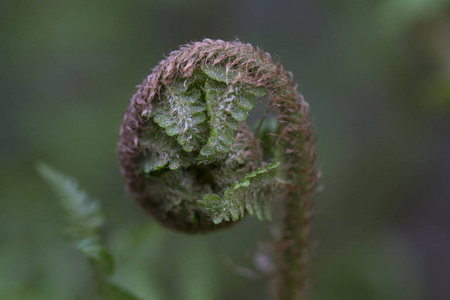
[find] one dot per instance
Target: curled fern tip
(191, 161)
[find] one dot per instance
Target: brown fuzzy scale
(294, 136)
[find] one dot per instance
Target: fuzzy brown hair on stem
(191, 161)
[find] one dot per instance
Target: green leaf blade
(220, 73)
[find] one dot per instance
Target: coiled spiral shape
(191, 161)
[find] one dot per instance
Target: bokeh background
(377, 77)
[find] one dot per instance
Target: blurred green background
(377, 77)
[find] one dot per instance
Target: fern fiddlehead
(191, 161)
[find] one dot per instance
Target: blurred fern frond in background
(84, 220)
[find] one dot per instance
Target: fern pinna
(192, 162)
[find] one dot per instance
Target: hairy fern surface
(190, 160)
(192, 135)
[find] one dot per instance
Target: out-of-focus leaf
(84, 218)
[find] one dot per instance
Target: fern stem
(196, 95)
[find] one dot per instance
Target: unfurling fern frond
(191, 161)
(195, 147)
